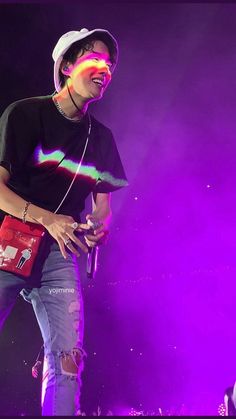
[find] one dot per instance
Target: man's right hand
(62, 228)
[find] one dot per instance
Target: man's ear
(65, 68)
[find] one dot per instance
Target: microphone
(92, 256)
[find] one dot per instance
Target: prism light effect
(58, 157)
(94, 61)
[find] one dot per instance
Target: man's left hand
(100, 234)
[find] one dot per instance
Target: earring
(65, 68)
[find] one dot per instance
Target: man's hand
(100, 233)
(62, 228)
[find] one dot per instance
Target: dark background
(160, 315)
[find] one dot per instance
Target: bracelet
(25, 211)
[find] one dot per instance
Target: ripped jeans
(58, 306)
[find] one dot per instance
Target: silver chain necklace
(59, 108)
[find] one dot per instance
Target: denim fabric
(58, 306)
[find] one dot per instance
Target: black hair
(86, 44)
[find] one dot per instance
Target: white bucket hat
(64, 43)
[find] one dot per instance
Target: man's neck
(66, 103)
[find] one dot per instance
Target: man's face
(90, 74)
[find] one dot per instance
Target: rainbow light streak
(90, 171)
(57, 157)
(92, 62)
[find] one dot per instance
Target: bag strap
(78, 168)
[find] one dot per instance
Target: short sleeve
(14, 139)
(110, 168)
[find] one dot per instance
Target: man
(53, 155)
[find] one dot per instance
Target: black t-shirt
(42, 149)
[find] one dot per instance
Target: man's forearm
(102, 208)
(13, 204)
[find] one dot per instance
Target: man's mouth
(98, 82)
